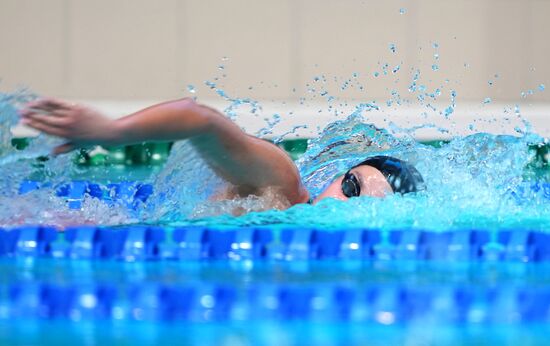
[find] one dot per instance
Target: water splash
(475, 181)
(9, 104)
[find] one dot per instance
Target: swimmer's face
(371, 182)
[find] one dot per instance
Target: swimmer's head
(377, 176)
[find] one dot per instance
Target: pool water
(288, 303)
(465, 262)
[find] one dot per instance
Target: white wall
(152, 49)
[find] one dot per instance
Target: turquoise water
(476, 181)
(487, 323)
(258, 333)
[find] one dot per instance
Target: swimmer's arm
(84, 126)
(247, 162)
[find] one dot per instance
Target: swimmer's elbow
(194, 117)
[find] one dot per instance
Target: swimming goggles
(402, 176)
(350, 185)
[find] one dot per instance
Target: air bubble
(191, 89)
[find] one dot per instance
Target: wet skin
(372, 183)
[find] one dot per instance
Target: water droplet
(221, 67)
(449, 110)
(402, 10)
(542, 87)
(435, 45)
(416, 75)
(376, 74)
(191, 89)
(224, 58)
(487, 100)
(453, 98)
(396, 69)
(392, 47)
(435, 67)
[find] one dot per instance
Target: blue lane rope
(203, 302)
(142, 242)
(129, 194)
(132, 193)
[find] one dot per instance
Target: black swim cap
(402, 176)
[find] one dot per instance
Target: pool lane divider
(133, 194)
(276, 243)
(129, 194)
(205, 302)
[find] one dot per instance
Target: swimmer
(250, 164)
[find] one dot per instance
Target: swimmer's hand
(80, 125)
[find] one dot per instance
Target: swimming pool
(465, 263)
